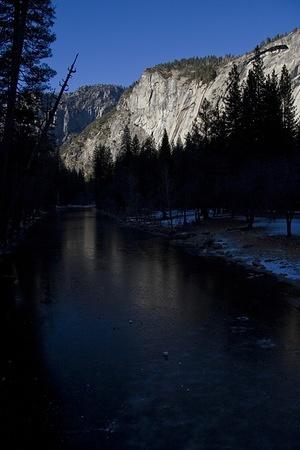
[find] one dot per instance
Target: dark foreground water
(88, 309)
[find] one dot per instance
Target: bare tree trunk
(205, 213)
(50, 120)
(167, 191)
(250, 220)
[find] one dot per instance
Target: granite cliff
(169, 97)
(81, 107)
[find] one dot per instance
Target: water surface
(88, 310)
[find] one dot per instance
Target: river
(114, 339)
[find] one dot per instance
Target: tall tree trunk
(184, 217)
(168, 198)
(289, 217)
(205, 213)
(250, 220)
(19, 25)
(8, 174)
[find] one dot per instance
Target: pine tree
(252, 129)
(148, 174)
(217, 129)
(289, 121)
(194, 139)
(205, 115)
(126, 171)
(251, 117)
(165, 149)
(126, 143)
(148, 150)
(103, 166)
(252, 107)
(135, 147)
(165, 163)
(233, 104)
(258, 72)
(25, 41)
(180, 175)
(290, 181)
(271, 116)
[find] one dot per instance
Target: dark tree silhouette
(25, 42)
(242, 156)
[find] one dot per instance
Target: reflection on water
(87, 312)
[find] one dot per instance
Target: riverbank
(21, 235)
(264, 250)
(27, 226)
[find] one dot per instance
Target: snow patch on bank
(275, 262)
(264, 250)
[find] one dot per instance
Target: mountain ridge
(172, 99)
(82, 106)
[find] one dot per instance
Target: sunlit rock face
(80, 108)
(171, 100)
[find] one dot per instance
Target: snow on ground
(273, 258)
(272, 227)
(178, 219)
(79, 206)
(277, 227)
(264, 249)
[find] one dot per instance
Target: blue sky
(117, 40)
